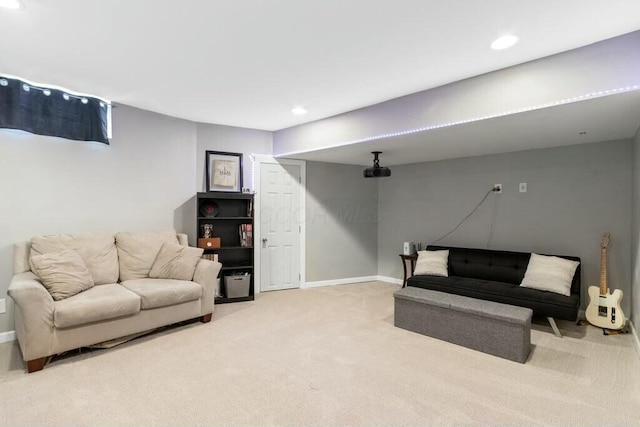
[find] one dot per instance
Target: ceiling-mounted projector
(376, 171)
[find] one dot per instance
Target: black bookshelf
(233, 212)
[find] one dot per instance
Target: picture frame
(224, 171)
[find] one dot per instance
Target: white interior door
(281, 219)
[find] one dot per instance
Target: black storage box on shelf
(237, 286)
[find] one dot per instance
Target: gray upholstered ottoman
(498, 329)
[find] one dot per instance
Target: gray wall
(234, 140)
(231, 139)
(635, 236)
(575, 194)
(51, 185)
(606, 65)
(342, 231)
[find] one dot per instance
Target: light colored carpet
(325, 356)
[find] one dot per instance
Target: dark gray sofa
(495, 276)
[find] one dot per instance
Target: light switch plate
(3, 305)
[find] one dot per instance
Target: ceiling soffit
(603, 69)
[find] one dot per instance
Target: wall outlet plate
(522, 187)
(497, 188)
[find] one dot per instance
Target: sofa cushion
(97, 250)
(163, 292)
(175, 261)
(94, 305)
(542, 302)
(137, 251)
(62, 273)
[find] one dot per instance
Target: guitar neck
(603, 271)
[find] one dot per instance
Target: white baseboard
(339, 281)
(636, 340)
(7, 336)
(351, 280)
(390, 280)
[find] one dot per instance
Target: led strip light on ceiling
(574, 99)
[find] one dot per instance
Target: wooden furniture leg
(412, 258)
(404, 269)
(36, 364)
(206, 318)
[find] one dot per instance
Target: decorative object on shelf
(209, 243)
(224, 171)
(408, 248)
(207, 231)
(209, 209)
(246, 235)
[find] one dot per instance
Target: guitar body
(604, 310)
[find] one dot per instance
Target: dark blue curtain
(52, 112)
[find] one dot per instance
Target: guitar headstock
(605, 241)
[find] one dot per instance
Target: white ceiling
(248, 62)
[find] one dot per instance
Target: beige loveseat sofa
(123, 299)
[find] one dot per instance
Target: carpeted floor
(325, 356)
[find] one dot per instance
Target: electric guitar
(604, 309)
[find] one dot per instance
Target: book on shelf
(246, 235)
(250, 208)
(210, 257)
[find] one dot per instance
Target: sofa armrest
(33, 315)
(206, 275)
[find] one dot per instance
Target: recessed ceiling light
(504, 42)
(11, 4)
(298, 111)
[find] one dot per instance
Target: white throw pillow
(432, 263)
(64, 274)
(550, 273)
(175, 261)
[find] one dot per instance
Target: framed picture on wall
(224, 171)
